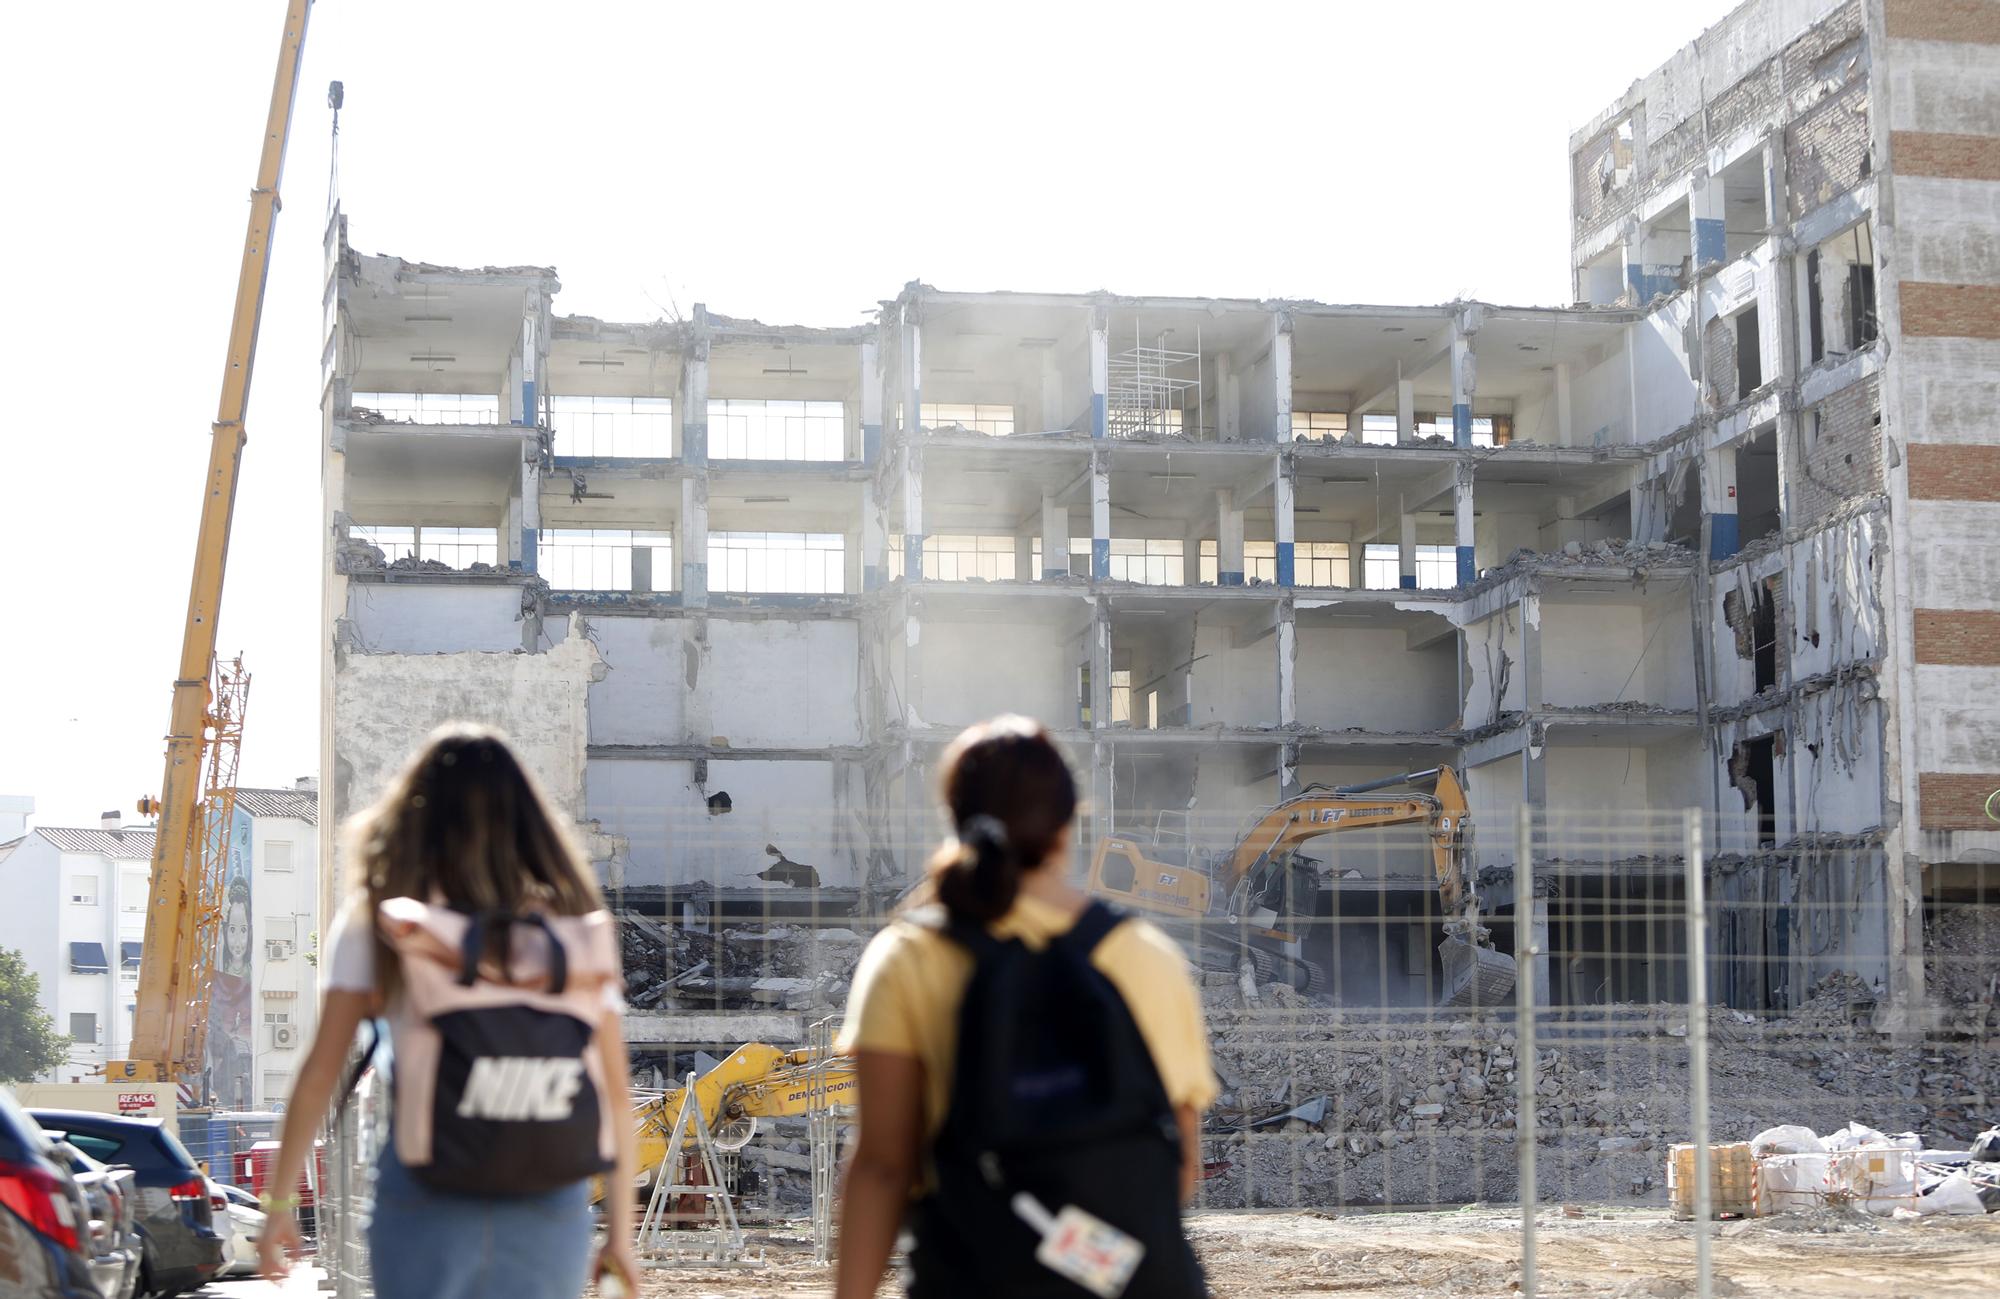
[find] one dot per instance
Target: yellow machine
(1256, 885)
(182, 912)
(756, 1081)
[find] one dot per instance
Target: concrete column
(910, 371)
(1100, 372)
(1228, 412)
(1228, 540)
(522, 403)
(530, 524)
(1100, 665)
(1529, 611)
(1406, 553)
(871, 402)
(1406, 410)
(1288, 770)
(1288, 664)
(1282, 523)
(1100, 516)
(1055, 539)
(691, 540)
(1565, 426)
(1718, 502)
(1634, 252)
(512, 538)
(1281, 374)
(642, 570)
(1539, 931)
(1464, 373)
(691, 396)
(1709, 241)
(874, 539)
(1462, 525)
(913, 511)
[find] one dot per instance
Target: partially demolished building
(1718, 536)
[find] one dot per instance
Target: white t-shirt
(350, 957)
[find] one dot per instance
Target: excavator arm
(756, 1081)
(1281, 830)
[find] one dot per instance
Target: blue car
(182, 1250)
(45, 1247)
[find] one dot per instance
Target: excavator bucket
(1475, 975)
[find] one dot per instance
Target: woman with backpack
(1031, 1066)
(479, 932)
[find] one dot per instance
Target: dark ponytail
(1011, 798)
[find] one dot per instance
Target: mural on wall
(229, 1008)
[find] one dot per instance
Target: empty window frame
(1317, 424)
(83, 890)
(749, 428)
(1121, 695)
(453, 547)
(1149, 561)
(808, 563)
(613, 427)
(1486, 430)
(1314, 563)
(1379, 430)
(82, 1028)
(605, 559)
(432, 407)
(996, 421)
(1749, 353)
(959, 557)
(1382, 568)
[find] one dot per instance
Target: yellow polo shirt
(912, 978)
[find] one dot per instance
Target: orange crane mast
(176, 963)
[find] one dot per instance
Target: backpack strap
(475, 943)
(1098, 919)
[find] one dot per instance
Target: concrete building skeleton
(1229, 548)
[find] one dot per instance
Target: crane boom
(170, 968)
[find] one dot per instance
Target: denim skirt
(426, 1244)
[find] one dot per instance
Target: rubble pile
(1962, 967)
(1423, 1111)
(737, 966)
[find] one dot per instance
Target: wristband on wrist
(278, 1203)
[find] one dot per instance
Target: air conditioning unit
(284, 1037)
(277, 949)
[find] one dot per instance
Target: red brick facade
(1950, 310)
(1955, 801)
(1958, 637)
(1950, 157)
(1944, 472)
(1975, 21)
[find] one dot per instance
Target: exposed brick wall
(1948, 472)
(1826, 149)
(1597, 205)
(1718, 360)
(1976, 21)
(1751, 101)
(1955, 801)
(1840, 452)
(1950, 310)
(1958, 637)
(1812, 57)
(1952, 157)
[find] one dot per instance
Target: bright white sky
(795, 163)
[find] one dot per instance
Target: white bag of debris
(1859, 1136)
(1877, 1179)
(1792, 1183)
(1786, 1139)
(1957, 1194)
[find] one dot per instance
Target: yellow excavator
(1258, 887)
(756, 1081)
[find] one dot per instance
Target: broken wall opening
(1758, 501)
(1753, 771)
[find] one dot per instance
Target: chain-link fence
(1388, 1098)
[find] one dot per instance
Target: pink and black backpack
(498, 1082)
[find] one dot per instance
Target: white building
(76, 910)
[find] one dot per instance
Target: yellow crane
(1256, 885)
(177, 961)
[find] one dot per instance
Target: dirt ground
(1617, 1253)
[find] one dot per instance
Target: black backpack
(1054, 1094)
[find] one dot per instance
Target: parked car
(247, 1217)
(111, 1194)
(225, 1226)
(182, 1249)
(44, 1221)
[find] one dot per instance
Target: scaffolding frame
(1149, 383)
(718, 1240)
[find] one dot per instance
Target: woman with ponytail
(1002, 880)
